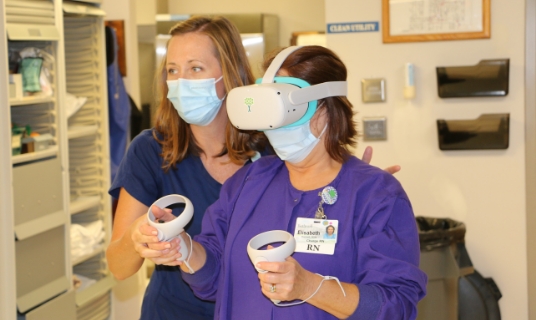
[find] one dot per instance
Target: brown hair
(171, 131)
(317, 64)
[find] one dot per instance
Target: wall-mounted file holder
(487, 78)
(489, 131)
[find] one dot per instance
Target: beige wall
(484, 189)
(295, 15)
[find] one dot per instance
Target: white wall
(295, 15)
(484, 189)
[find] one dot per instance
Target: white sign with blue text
(346, 27)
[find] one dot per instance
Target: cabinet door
(38, 197)
(41, 273)
(60, 308)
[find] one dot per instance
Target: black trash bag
(438, 232)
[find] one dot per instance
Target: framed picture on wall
(432, 20)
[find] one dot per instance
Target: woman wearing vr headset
(370, 271)
(185, 153)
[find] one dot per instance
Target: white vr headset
(278, 102)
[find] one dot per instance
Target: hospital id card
(316, 235)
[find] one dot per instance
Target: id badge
(316, 235)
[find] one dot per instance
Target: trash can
(444, 259)
(455, 290)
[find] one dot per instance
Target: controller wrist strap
(186, 261)
(324, 278)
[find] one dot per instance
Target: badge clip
(327, 195)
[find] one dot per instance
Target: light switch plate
(375, 128)
(373, 90)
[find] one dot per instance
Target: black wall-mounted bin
(489, 131)
(487, 78)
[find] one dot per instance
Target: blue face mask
(196, 101)
(293, 144)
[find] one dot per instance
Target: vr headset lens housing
(278, 102)
(267, 106)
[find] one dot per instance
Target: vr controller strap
(276, 64)
(183, 259)
(324, 278)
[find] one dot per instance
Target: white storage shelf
(36, 239)
(30, 100)
(88, 256)
(33, 156)
(88, 151)
(82, 131)
(40, 220)
(84, 203)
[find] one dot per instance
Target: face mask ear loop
(224, 96)
(325, 126)
(323, 130)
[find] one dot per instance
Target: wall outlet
(375, 128)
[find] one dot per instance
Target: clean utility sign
(353, 27)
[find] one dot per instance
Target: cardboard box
(37, 143)
(15, 86)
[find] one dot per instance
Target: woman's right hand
(134, 240)
(146, 240)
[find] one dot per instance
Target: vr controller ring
(278, 254)
(170, 229)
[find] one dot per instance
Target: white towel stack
(86, 238)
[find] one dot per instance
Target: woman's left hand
(287, 280)
(367, 157)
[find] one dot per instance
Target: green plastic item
(16, 139)
(31, 70)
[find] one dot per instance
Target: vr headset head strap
(304, 95)
(276, 64)
(319, 91)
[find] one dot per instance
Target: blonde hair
(171, 131)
